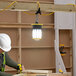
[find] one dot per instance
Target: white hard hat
(5, 42)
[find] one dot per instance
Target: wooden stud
(19, 21)
(20, 45)
(71, 49)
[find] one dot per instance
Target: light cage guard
(37, 31)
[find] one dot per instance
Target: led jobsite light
(37, 28)
(37, 31)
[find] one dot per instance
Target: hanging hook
(38, 11)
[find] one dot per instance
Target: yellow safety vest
(3, 64)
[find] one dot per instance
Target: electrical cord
(8, 6)
(35, 14)
(44, 14)
(30, 13)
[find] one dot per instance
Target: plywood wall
(38, 58)
(66, 39)
(42, 19)
(8, 17)
(34, 54)
(37, 54)
(47, 38)
(12, 17)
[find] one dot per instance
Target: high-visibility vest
(3, 62)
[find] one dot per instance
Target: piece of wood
(30, 1)
(71, 51)
(38, 58)
(19, 17)
(23, 25)
(19, 21)
(51, 74)
(19, 45)
(37, 71)
(46, 7)
(65, 47)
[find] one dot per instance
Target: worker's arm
(10, 62)
(5, 74)
(13, 64)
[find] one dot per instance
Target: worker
(5, 46)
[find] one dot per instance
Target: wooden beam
(32, 47)
(27, 1)
(23, 25)
(32, 6)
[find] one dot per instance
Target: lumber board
(23, 25)
(51, 74)
(32, 6)
(37, 71)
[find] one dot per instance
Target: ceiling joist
(32, 6)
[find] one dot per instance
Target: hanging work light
(37, 28)
(37, 31)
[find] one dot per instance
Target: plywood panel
(14, 56)
(38, 58)
(47, 38)
(46, 19)
(42, 19)
(13, 33)
(65, 37)
(8, 17)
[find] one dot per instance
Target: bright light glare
(37, 34)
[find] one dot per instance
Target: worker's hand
(23, 68)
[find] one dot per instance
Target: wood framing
(33, 54)
(23, 25)
(19, 21)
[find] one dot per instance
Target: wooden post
(19, 21)
(71, 49)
